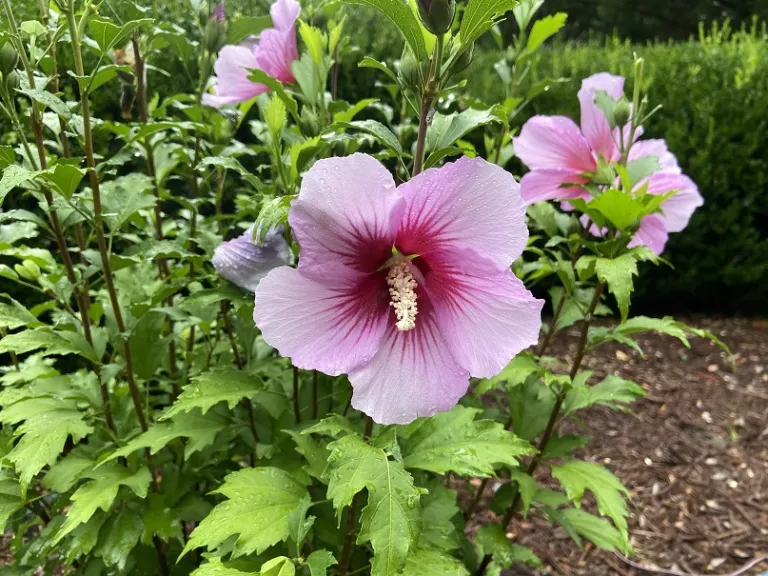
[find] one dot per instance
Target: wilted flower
(245, 263)
(273, 52)
(407, 289)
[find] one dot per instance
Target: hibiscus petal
(232, 84)
(486, 320)
(548, 184)
(332, 326)
(245, 263)
(284, 14)
(467, 204)
(658, 148)
(651, 233)
(594, 124)
(412, 375)
(277, 51)
(554, 142)
(348, 211)
(679, 208)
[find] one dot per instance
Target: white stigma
(402, 292)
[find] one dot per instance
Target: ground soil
(693, 453)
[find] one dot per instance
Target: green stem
(427, 98)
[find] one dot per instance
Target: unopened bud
(465, 59)
(216, 30)
(9, 58)
(621, 111)
(219, 14)
(12, 81)
(412, 72)
(437, 15)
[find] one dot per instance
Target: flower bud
(464, 60)
(9, 58)
(621, 111)
(412, 72)
(216, 30)
(12, 81)
(437, 15)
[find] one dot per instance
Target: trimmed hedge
(714, 93)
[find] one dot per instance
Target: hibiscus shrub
(159, 419)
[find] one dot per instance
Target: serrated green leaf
(231, 163)
(13, 176)
(65, 178)
(406, 21)
(479, 16)
(576, 476)
(259, 503)
(530, 406)
(333, 425)
(368, 62)
(641, 168)
(49, 101)
(319, 562)
(617, 273)
(315, 454)
(244, 26)
(376, 129)
(610, 392)
(594, 529)
(108, 35)
(391, 521)
(526, 486)
(10, 498)
(349, 114)
(491, 539)
(446, 129)
(315, 41)
(273, 213)
(14, 315)
(125, 196)
(275, 117)
(67, 471)
(52, 343)
(214, 567)
(457, 442)
(425, 562)
(544, 29)
(201, 430)
(438, 509)
(118, 536)
(100, 492)
(280, 566)
(261, 77)
(619, 208)
(514, 374)
(223, 384)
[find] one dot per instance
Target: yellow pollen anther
(402, 292)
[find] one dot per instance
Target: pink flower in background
(558, 152)
(406, 289)
(273, 52)
(245, 263)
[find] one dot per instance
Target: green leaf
(368, 62)
(101, 492)
(14, 315)
(613, 390)
(526, 486)
(333, 425)
(222, 384)
(530, 406)
(594, 529)
(13, 176)
(67, 471)
(349, 114)
(261, 77)
(280, 566)
(10, 498)
(490, 539)
(617, 274)
(315, 454)
(201, 430)
(513, 375)
(438, 509)
(619, 208)
(641, 168)
(391, 521)
(607, 104)
(124, 197)
(544, 29)
(258, 506)
(315, 41)
(479, 16)
(52, 343)
(244, 26)
(275, 117)
(406, 21)
(230, 163)
(118, 536)
(446, 129)
(7, 157)
(65, 178)
(376, 129)
(319, 562)
(108, 35)
(425, 562)
(49, 101)
(454, 441)
(576, 476)
(214, 567)
(273, 213)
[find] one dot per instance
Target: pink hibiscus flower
(273, 52)
(407, 289)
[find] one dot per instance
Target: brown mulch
(693, 453)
